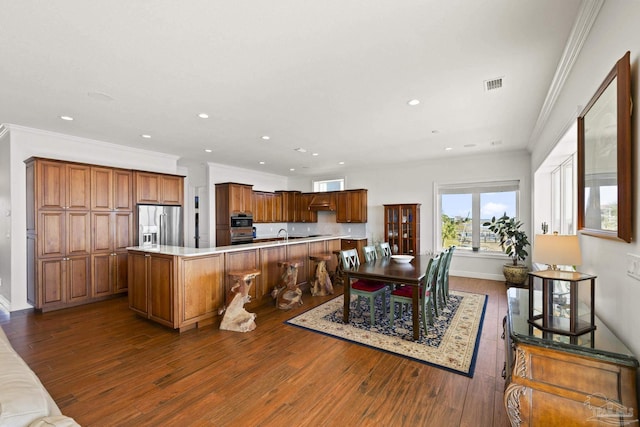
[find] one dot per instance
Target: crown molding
(585, 19)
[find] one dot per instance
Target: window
(563, 201)
(463, 208)
(329, 185)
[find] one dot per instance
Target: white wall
(614, 32)
(5, 219)
(414, 183)
(25, 143)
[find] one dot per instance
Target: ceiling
(333, 77)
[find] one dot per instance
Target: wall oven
(241, 229)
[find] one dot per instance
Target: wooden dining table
(386, 270)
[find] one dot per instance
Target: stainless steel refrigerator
(160, 225)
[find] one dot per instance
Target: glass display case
(402, 228)
(562, 302)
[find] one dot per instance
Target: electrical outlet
(633, 266)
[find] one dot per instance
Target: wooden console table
(553, 382)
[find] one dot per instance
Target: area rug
(451, 344)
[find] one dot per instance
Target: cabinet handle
(147, 255)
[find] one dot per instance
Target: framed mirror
(605, 185)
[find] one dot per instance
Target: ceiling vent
(493, 84)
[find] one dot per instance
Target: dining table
(387, 270)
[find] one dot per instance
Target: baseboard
(476, 275)
(5, 304)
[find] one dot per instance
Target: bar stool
(287, 292)
(338, 276)
(236, 318)
(322, 283)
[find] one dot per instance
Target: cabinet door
(277, 208)
(203, 284)
(51, 185)
(102, 232)
(246, 198)
(78, 230)
(343, 213)
(52, 281)
(101, 274)
(304, 214)
(271, 273)
(258, 207)
(51, 234)
(240, 261)
(120, 273)
(78, 187)
(101, 189)
(78, 277)
(122, 190)
(161, 302)
(123, 231)
(147, 187)
(137, 278)
(299, 253)
(172, 190)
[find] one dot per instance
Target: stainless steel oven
(241, 229)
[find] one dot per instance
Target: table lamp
(555, 249)
(567, 297)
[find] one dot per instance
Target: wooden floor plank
(104, 366)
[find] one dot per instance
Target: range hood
(323, 202)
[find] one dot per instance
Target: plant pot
(515, 275)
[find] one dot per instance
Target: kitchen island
(184, 288)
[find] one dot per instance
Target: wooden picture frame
(605, 158)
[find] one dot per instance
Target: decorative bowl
(402, 259)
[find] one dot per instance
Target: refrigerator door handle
(162, 231)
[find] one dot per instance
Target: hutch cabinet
(402, 228)
(559, 380)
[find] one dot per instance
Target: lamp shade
(557, 249)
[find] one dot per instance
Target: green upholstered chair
(404, 295)
(364, 288)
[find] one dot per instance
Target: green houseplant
(513, 242)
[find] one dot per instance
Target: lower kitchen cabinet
(178, 292)
(64, 282)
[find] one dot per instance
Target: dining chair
(385, 249)
(404, 295)
(370, 253)
(364, 288)
(446, 271)
(439, 300)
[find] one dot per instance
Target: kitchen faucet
(286, 234)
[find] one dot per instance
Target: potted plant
(513, 242)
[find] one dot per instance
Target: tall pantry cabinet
(79, 223)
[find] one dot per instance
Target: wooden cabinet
(231, 198)
(159, 189)
(267, 207)
(356, 243)
(289, 209)
(402, 228)
(554, 380)
(79, 224)
(351, 206)
(152, 286)
(304, 214)
(244, 260)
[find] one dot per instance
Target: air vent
(493, 84)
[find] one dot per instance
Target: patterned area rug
(451, 344)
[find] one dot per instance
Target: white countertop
(186, 252)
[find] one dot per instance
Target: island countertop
(189, 252)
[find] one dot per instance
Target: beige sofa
(23, 399)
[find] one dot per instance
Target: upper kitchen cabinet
(267, 207)
(111, 189)
(351, 206)
(402, 228)
(304, 213)
(160, 189)
(289, 207)
(62, 185)
(232, 198)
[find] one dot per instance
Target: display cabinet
(402, 228)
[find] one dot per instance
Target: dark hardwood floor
(105, 366)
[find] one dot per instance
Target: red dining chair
(404, 295)
(364, 288)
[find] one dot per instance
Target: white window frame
(320, 186)
(559, 188)
(474, 188)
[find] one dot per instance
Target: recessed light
(266, 137)
(145, 136)
(341, 163)
(208, 150)
(292, 169)
(413, 102)
(262, 163)
(67, 118)
(315, 154)
(448, 149)
(203, 115)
